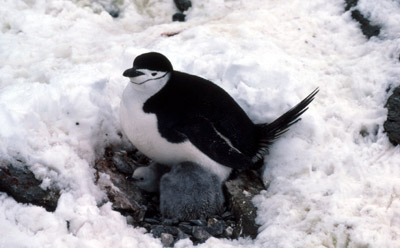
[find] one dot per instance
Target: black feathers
(269, 132)
(192, 108)
(152, 61)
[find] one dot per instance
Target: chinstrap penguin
(190, 192)
(173, 117)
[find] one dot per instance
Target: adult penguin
(174, 117)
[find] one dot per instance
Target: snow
(61, 64)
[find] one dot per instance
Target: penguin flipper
(202, 133)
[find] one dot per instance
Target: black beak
(132, 179)
(132, 72)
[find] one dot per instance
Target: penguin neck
(142, 92)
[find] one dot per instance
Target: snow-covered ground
(61, 64)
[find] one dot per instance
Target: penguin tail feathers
(269, 132)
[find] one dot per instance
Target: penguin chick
(148, 177)
(190, 192)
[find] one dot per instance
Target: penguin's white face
(148, 82)
(149, 73)
(143, 76)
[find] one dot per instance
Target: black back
(186, 99)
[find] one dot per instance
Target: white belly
(141, 129)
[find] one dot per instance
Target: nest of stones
(142, 209)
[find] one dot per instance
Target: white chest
(142, 130)
(140, 127)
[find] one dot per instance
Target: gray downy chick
(148, 177)
(189, 192)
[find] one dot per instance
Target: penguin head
(147, 179)
(149, 68)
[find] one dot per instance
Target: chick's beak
(132, 179)
(132, 72)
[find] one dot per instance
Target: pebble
(167, 239)
(151, 221)
(200, 234)
(211, 221)
(198, 222)
(217, 229)
(228, 231)
(178, 17)
(170, 222)
(186, 228)
(157, 230)
(182, 235)
(121, 164)
(227, 214)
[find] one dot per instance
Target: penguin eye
(154, 73)
(141, 179)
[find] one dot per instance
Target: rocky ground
(142, 209)
(113, 173)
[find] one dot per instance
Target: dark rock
(186, 228)
(151, 221)
(183, 5)
(125, 196)
(200, 234)
(111, 7)
(350, 4)
(198, 222)
(226, 215)
(230, 222)
(178, 17)
(211, 222)
(170, 222)
(217, 228)
(157, 230)
(113, 13)
(167, 239)
(392, 123)
(182, 235)
(123, 163)
(240, 191)
(153, 210)
(145, 225)
(19, 182)
(367, 28)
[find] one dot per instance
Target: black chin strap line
(152, 79)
